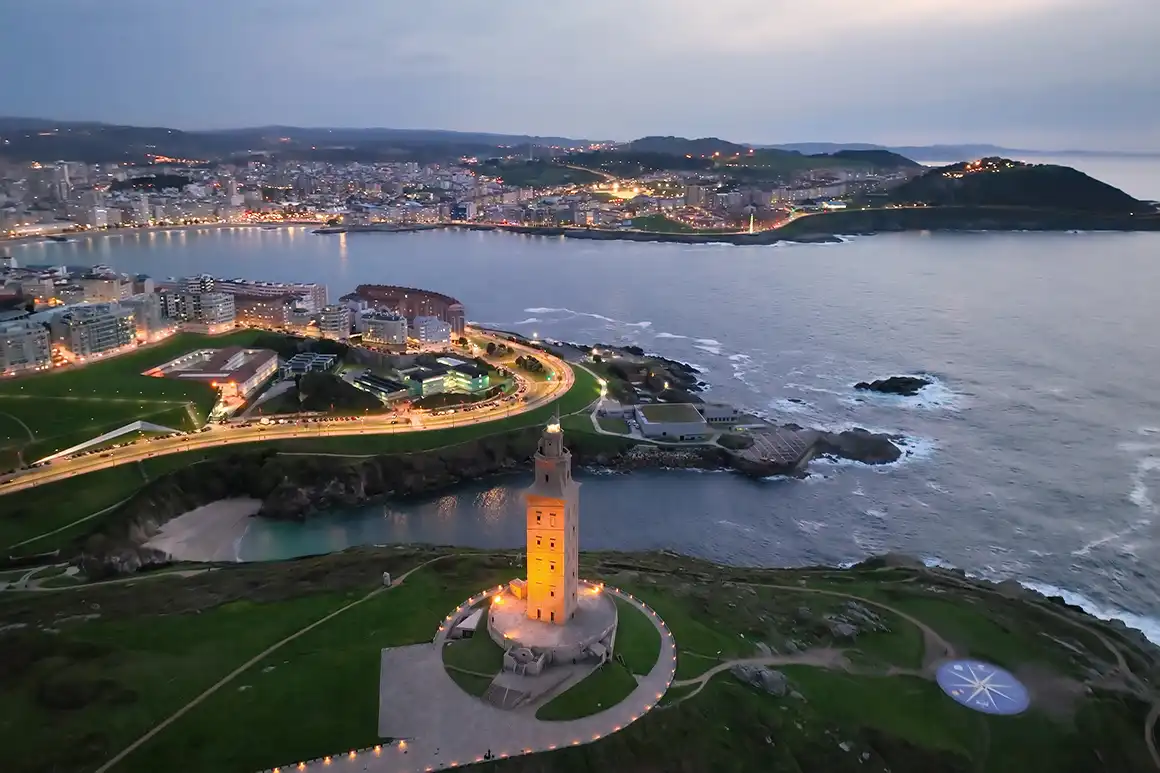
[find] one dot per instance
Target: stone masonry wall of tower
(553, 529)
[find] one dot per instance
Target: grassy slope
(163, 641)
(42, 509)
(73, 405)
(602, 689)
(478, 654)
(638, 642)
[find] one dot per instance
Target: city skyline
(1040, 74)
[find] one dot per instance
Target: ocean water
(1035, 456)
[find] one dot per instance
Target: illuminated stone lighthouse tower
(553, 502)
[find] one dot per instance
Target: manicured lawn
(71, 405)
(478, 654)
(692, 634)
(608, 424)
(661, 224)
(637, 640)
(602, 689)
(318, 695)
(33, 512)
(87, 692)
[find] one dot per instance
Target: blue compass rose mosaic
(983, 687)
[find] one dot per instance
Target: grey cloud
(1030, 72)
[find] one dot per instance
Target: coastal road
(538, 393)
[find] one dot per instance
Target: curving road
(538, 393)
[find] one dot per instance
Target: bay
(1035, 456)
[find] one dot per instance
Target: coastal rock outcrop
(858, 445)
(908, 386)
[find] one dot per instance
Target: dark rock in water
(858, 445)
(907, 386)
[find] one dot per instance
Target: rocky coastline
(297, 487)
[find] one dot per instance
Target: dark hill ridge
(883, 159)
(1001, 182)
(680, 146)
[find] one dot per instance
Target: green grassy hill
(999, 182)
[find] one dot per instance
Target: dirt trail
(934, 646)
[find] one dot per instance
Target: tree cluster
(530, 364)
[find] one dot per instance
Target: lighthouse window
(537, 541)
(552, 544)
(545, 477)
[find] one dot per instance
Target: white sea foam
(708, 348)
(1149, 626)
(875, 513)
(810, 527)
(669, 335)
(935, 396)
(528, 321)
(546, 310)
(791, 406)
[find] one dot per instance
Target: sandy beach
(208, 533)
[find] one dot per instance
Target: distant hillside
(151, 182)
(1000, 182)
(35, 139)
(679, 146)
(881, 159)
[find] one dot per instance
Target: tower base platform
(532, 645)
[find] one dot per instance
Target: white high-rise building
(152, 324)
(429, 330)
(94, 329)
(24, 346)
(334, 322)
(384, 328)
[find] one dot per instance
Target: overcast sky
(1044, 74)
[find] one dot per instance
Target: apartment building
(24, 346)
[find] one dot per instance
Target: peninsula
(802, 669)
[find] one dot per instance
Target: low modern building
(384, 328)
(424, 382)
(672, 421)
(234, 371)
(430, 330)
(308, 362)
(334, 322)
(24, 346)
(719, 413)
(89, 330)
(385, 389)
(465, 376)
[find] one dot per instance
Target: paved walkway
(441, 726)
